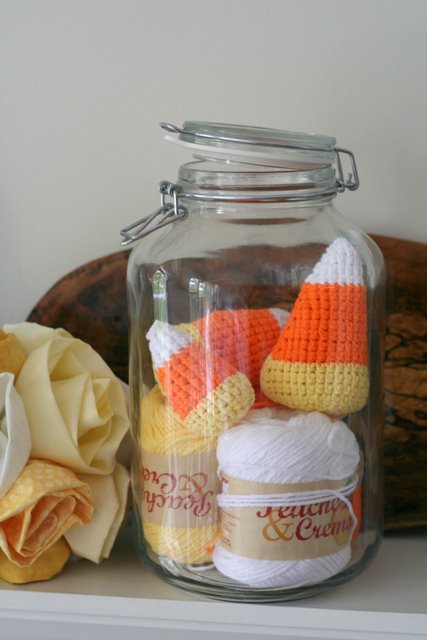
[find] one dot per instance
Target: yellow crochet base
(194, 546)
(191, 330)
(224, 407)
(336, 389)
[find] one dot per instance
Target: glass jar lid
(281, 152)
(254, 145)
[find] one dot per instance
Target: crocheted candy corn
(320, 361)
(206, 391)
(243, 337)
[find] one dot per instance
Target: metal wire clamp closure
(352, 181)
(168, 212)
(171, 211)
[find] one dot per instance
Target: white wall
(84, 83)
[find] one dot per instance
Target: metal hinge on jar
(352, 181)
(167, 213)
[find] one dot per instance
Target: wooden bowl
(90, 303)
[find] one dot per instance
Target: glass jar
(255, 370)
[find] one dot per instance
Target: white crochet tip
(280, 315)
(340, 264)
(165, 340)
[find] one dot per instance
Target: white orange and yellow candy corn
(320, 361)
(206, 391)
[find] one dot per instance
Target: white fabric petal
(15, 440)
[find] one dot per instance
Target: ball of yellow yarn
(163, 432)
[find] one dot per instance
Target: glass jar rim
(215, 180)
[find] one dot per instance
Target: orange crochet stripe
(328, 325)
(189, 375)
(243, 337)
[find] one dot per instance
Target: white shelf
(121, 600)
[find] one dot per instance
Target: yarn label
(288, 532)
(179, 491)
(237, 486)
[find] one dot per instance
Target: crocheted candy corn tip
(206, 391)
(319, 362)
(243, 337)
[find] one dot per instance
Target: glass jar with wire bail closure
(255, 369)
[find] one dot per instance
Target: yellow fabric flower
(45, 501)
(75, 405)
(95, 540)
(45, 567)
(12, 357)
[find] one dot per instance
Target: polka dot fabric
(45, 501)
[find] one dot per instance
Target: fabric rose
(15, 441)
(12, 356)
(46, 566)
(45, 501)
(75, 405)
(95, 540)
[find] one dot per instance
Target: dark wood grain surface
(405, 383)
(90, 303)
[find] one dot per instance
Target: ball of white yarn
(285, 447)
(269, 574)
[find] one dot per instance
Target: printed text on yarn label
(179, 491)
(294, 532)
